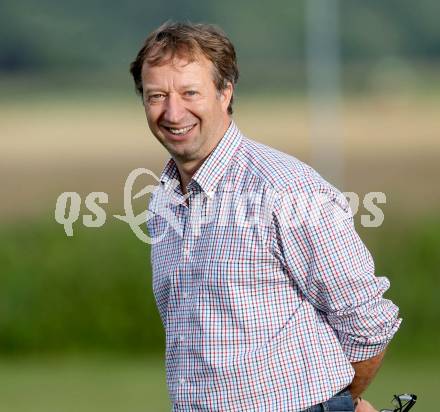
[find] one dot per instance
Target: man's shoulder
(278, 170)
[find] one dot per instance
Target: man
(267, 295)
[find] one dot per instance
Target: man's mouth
(179, 131)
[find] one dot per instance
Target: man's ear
(226, 95)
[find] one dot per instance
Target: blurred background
(352, 88)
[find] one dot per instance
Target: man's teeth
(180, 131)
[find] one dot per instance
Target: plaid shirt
(265, 297)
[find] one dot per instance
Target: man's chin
(183, 153)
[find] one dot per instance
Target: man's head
(188, 40)
(186, 75)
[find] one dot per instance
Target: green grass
(107, 384)
(83, 384)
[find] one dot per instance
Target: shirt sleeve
(315, 240)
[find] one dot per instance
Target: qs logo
(68, 206)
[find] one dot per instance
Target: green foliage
(83, 47)
(63, 35)
(408, 254)
(93, 291)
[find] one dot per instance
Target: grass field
(85, 384)
(99, 384)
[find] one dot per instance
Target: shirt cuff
(357, 348)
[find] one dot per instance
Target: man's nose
(174, 110)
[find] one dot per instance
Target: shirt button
(181, 338)
(185, 295)
(186, 251)
(181, 381)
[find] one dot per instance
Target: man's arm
(335, 271)
(364, 374)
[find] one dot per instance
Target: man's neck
(187, 171)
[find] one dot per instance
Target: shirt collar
(214, 167)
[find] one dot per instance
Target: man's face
(184, 110)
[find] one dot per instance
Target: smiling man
(281, 312)
(187, 108)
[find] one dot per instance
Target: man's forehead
(182, 65)
(178, 61)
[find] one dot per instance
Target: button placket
(187, 231)
(182, 336)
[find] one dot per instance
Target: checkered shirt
(264, 288)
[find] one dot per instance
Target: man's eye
(157, 97)
(190, 93)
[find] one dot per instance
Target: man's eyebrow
(149, 88)
(152, 88)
